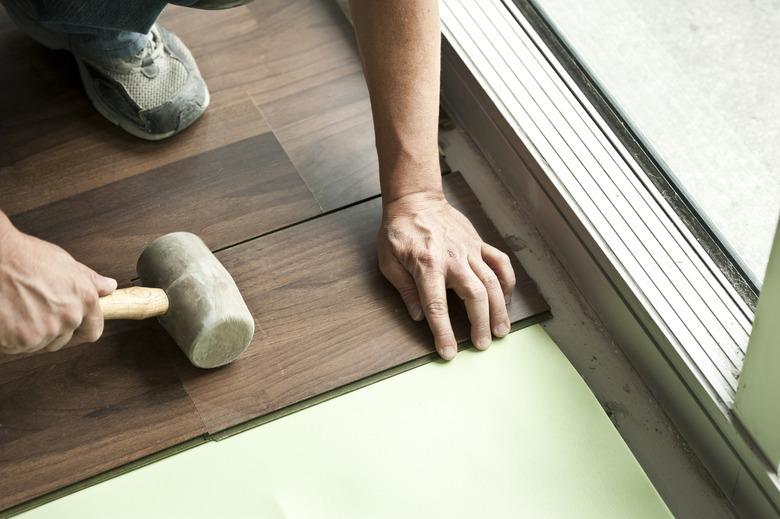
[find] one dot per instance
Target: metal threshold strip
(660, 260)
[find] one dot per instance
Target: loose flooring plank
(69, 415)
(324, 315)
(225, 196)
(53, 144)
(298, 61)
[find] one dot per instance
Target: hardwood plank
(325, 127)
(54, 144)
(225, 196)
(69, 415)
(299, 62)
(324, 315)
(268, 49)
(333, 145)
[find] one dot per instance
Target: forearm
(400, 44)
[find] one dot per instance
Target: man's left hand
(426, 246)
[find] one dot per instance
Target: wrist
(411, 186)
(412, 203)
(406, 176)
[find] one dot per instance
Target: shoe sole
(112, 116)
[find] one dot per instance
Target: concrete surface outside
(698, 81)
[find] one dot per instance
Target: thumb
(404, 283)
(103, 285)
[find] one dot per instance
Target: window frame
(702, 413)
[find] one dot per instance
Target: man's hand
(47, 299)
(426, 246)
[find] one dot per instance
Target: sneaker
(152, 95)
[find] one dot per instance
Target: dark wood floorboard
(324, 315)
(224, 196)
(294, 61)
(333, 145)
(299, 62)
(69, 415)
(53, 144)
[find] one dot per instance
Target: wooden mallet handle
(134, 303)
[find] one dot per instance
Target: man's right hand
(47, 299)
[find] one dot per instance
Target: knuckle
(481, 329)
(426, 260)
(71, 318)
(89, 296)
(436, 308)
(491, 283)
(407, 291)
(476, 292)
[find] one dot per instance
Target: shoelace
(151, 51)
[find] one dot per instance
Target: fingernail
(416, 312)
(508, 298)
(502, 329)
(483, 343)
(449, 352)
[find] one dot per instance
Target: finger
(499, 318)
(59, 342)
(88, 332)
(91, 327)
(469, 288)
(502, 266)
(40, 345)
(433, 297)
(404, 283)
(103, 285)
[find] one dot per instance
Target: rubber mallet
(194, 298)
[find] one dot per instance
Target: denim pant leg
(89, 28)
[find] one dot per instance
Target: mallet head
(207, 316)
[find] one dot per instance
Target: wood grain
(72, 414)
(326, 127)
(298, 61)
(54, 144)
(333, 146)
(324, 315)
(225, 196)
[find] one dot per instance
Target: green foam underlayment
(511, 432)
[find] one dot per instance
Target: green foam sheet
(511, 432)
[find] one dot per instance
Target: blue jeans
(90, 28)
